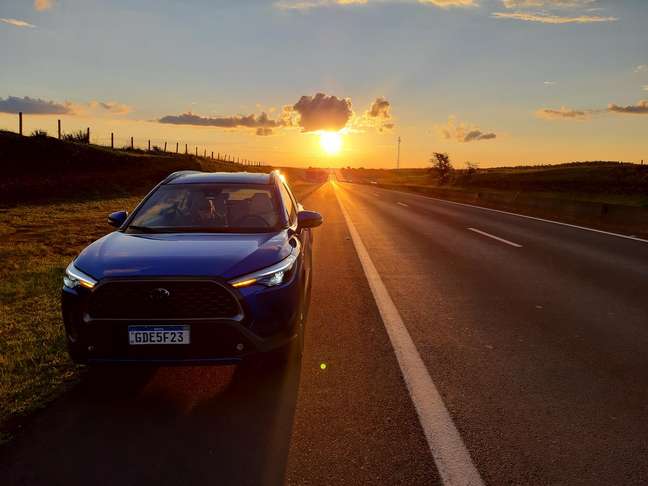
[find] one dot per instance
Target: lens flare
(331, 142)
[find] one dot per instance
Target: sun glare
(331, 142)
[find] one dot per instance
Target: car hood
(190, 254)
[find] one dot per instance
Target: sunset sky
(497, 82)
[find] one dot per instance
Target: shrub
(39, 133)
(80, 136)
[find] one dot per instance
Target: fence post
(112, 140)
(177, 147)
(149, 145)
(218, 156)
(59, 129)
(196, 151)
(186, 149)
(132, 143)
(212, 156)
(165, 146)
(20, 122)
(88, 135)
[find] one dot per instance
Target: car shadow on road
(174, 425)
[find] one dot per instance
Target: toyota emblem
(159, 295)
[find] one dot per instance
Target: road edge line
(453, 461)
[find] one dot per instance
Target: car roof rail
(178, 173)
(275, 173)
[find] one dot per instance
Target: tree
(471, 167)
(441, 162)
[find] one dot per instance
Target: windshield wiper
(142, 229)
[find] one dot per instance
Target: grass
(602, 182)
(36, 244)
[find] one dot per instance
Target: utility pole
(398, 154)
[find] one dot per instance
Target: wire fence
(139, 144)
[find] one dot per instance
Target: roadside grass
(600, 182)
(36, 244)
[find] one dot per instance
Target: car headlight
(74, 278)
(270, 276)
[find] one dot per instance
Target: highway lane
(538, 348)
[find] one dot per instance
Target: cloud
(450, 3)
(115, 108)
(37, 106)
(310, 4)
(641, 68)
(552, 11)
(462, 132)
(645, 87)
(33, 106)
(17, 23)
(238, 121)
(379, 108)
(546, 3)
(310, 114)
(546, 18)
(322, 112)
(99, 108)
(641, 108)
(550, 83)
(563, 113)
(305, 5)
(377, 116)
(41, 5)
(264, 131)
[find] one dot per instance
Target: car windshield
(213, 208)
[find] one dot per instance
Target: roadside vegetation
(36, 244)
(602, 182)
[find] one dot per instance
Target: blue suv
(209, 268)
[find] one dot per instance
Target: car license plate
(138, 335)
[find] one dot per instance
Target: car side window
(289, 205)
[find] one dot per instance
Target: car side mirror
(308, 219)
(117, 218)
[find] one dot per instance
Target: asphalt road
(535, 336)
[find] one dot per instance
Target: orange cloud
(42, 5)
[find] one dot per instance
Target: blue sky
(225, 58)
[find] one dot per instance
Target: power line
(398, 154)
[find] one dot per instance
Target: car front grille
(163, 299)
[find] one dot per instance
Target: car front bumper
(270, 321)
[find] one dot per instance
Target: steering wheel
(254, 219)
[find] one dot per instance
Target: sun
(331, 142)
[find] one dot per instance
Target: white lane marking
(448, 449)
(402, 204)
(495, 237)
(535, 218)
